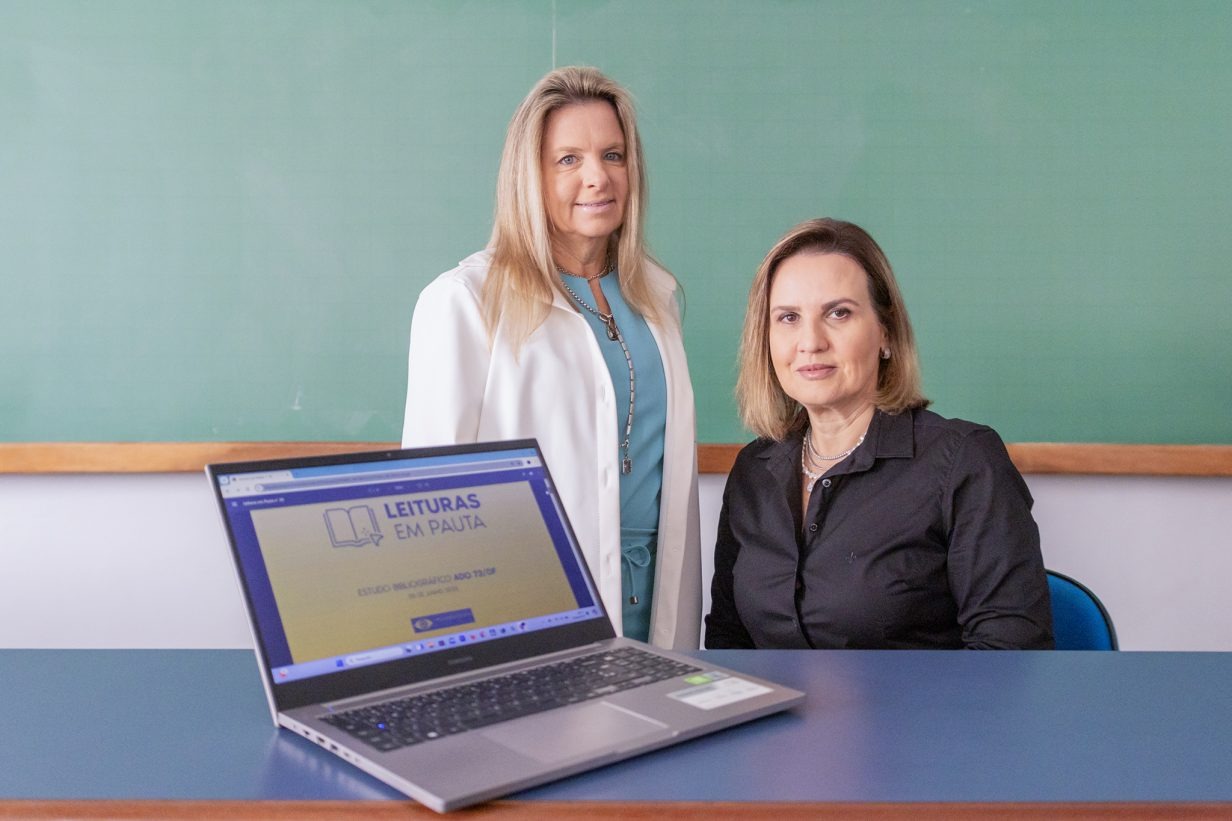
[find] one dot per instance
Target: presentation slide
(400, 568)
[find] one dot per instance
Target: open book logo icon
(352, 526)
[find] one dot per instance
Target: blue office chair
(1079, 619)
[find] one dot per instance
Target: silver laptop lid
(368, 571)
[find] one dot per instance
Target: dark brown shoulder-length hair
(765, 408)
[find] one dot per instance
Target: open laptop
(427, 616)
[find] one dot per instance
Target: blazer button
(813, 527)
(825, 482)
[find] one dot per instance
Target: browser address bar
(392, 475)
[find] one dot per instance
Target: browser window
(363, 563)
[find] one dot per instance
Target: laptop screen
(400, 555)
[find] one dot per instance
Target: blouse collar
(890, 436)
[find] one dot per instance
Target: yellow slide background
(318, 586)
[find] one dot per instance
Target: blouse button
(825, 482)
(813, 527)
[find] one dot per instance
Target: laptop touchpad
(564, 734)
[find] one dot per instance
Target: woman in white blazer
(566, 330)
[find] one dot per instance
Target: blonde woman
(564, 329)
(859, 518)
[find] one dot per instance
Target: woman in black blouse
(860, 519)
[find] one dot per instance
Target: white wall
(141, 561)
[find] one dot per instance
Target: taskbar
(435, 644)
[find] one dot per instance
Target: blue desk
(951, 727)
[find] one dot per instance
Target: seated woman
(859, 519)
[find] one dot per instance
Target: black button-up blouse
(922, 538)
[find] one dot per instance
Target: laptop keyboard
(400, 723)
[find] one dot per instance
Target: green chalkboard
(215, 216)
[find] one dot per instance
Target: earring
(885, 353)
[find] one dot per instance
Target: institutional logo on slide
(438, 621)
(352, 526)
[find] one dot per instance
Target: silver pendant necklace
(812, 477)
(807, 452)
(614, 334)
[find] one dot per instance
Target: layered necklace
(809, 454)
(614, 334)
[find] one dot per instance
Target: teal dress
(639, 489)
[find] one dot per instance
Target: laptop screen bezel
(414, 669)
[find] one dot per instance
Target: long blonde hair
(522, 278)
(765, 408)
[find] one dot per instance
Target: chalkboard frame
(180, 457)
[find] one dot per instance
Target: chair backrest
(1079, 619)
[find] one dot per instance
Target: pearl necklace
(614, 334)
(809, 452)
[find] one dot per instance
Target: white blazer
(558, 390)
